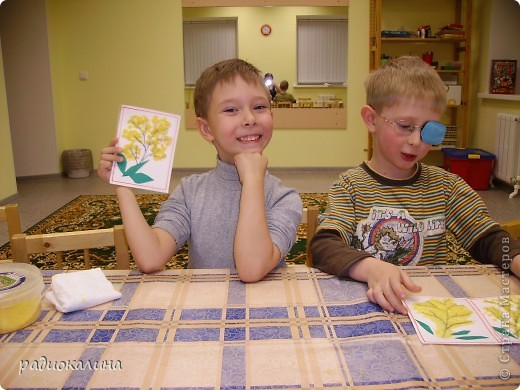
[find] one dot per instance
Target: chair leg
(59, 259)
(13, 219)
(122, 251)
(86, 257)
(19, 248)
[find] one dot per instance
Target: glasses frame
(399, 129)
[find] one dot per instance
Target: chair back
(310, 217)
(287, 104)
(331, 103)
(512, 227)
(11, 214)
(24, 245)
(305, 102)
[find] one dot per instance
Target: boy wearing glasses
(393, 210)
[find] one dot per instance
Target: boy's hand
(108, 156)
(515, 266)
(250, 166)
(387, 283)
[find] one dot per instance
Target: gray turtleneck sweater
(203, 210)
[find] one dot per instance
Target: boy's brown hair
(284, 85)
(405, 78)
(223, 72)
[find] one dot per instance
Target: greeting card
(465, 320)
(148, 139)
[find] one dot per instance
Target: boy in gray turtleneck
(235, 216)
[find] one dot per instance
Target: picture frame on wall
(502, 77)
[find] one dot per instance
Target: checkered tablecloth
(298, 328)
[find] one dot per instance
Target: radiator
(507, 149)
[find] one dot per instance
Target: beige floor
(40, 197)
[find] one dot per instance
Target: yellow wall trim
(265, 3)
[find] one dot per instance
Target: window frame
(310, 71)
(207, 41)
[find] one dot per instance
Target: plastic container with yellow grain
(21, 286)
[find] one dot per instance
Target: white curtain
(322, 51)
(205, 43)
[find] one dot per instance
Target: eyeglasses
(432, 132)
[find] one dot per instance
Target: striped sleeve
(467, 216)
(340, 214)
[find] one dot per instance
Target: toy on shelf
(451, 31)
(424, 31)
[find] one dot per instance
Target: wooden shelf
(453, 49)
(495, 96)
(450, 70)
(424, 40)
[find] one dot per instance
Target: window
(322, 50)
(205, 43)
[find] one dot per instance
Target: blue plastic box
(475, 166)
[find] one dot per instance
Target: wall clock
(265, 29)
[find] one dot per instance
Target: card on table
(148, 139)
(443, 320)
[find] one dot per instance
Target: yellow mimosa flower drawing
(505, 311)
(448, 317)
(148, 139)
(449, 320)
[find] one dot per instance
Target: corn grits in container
(21, 286)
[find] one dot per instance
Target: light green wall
(331, 148)
(8, 186)
(356, 141)
(277, 54)
(132, 51)
(484, 111)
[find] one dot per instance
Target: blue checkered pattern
(299, 328)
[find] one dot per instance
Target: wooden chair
(283, 104)
(512, 227)
(332, 103)
(305, 103)
(310, 217)
(24, 245)
(10, 214)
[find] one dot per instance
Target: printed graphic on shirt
(394, 236)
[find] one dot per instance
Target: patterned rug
(102, 211)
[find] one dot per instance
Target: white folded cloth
(79, 290)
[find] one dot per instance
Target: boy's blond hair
(405, 78)
(223, 72)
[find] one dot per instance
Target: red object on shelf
(475, 166)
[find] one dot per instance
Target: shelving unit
(412, 14)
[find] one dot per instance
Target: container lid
(17, 280)
(469, 153)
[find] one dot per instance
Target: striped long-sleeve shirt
(403, 221)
